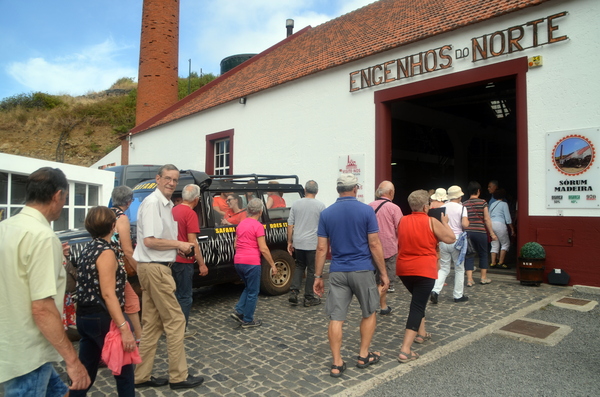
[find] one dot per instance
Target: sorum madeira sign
(511, 40)
(573, 170)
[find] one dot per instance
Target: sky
(76, 47)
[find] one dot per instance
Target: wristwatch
(321, 276)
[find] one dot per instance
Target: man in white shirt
(157, 247)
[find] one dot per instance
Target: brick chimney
(159, 50)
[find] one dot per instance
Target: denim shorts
(43, 381)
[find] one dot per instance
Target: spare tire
(281, 282)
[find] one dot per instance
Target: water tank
(232, 61)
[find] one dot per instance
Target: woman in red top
(418, 235)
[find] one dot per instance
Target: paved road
(497, 365)
(289, 355)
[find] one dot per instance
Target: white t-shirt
(455, 214)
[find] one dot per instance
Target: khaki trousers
(161, 312)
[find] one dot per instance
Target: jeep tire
(280, 283)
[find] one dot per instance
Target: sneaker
(391, 289)
(237, 317)
(312, 301)
(434, 297)
(252, 324)
(385, 312)
(493, 264)
(293, 299)
(189, 334)
(461, 299)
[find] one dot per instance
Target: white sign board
(354, 164)
(573, 169)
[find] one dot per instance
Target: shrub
(118, 112)
(195, 82)
(34, 100)
(532, 250)
(125, 83)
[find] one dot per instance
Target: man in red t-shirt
(183, 268)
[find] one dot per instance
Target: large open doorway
(453, 129)
(455, 136)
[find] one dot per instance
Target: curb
(451, 347)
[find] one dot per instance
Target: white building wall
(104, 180)
(302, 127)
(110, 160)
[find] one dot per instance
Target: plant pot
(531, 271)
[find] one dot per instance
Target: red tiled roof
(377, 27)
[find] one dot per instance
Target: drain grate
(580, 305)
(535, 331)
(573, 301)
(528, 328)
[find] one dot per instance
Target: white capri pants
(503, 242)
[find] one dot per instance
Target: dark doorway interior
(454, 136)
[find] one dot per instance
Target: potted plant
(532, 260)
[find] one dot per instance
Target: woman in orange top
(237, 213)
(418, 235)
(274, 199)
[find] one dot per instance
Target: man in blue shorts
(32, 290)
(352, 230)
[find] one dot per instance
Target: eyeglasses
(228, 200)
(169, 179)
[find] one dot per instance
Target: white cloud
(95, 68)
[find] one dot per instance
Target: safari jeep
(216, 239)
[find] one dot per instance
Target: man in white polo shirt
(157, 247)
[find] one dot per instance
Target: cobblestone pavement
(289, 354)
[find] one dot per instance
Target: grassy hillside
(74, 130)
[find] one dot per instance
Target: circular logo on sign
(573, 155)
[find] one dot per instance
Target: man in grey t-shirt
(302, 237)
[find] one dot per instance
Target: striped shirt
(475, 209)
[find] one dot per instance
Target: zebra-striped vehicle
(216, 238)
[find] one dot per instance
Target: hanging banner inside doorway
(573, 169)
(354, 164)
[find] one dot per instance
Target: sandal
(367, 360)
(470, 284)
(409, 357)
(423, 338)
(340, 368)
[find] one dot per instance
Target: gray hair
(345, 188)
(311, 187)
(254, 206)
(190, 192)
(418, 199)
(166, 167)
(122, 195)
